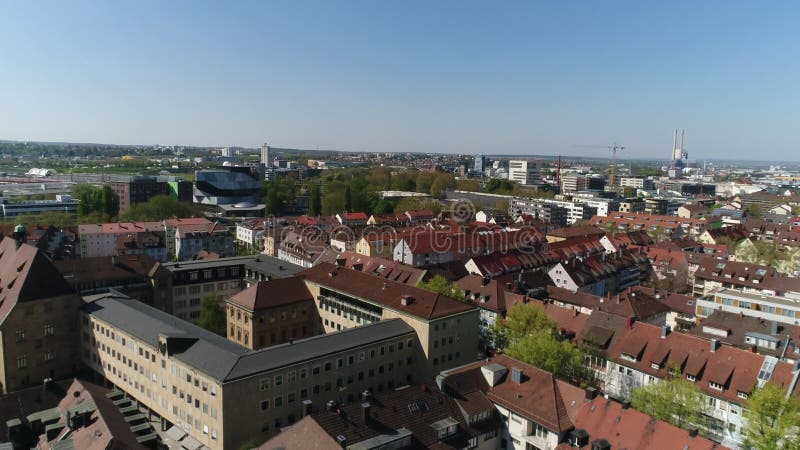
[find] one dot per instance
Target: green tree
(417, 203)
(521, 320)
(443, 181)
(212, 315)
(674, 400)
(468, 185)
(543, 350)
(773, 421)
(315, 201)
(442, 286)
(160, 207)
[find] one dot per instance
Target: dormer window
(713, 385)
(742, 395)
(690, 377)
(628, 357)
(655, 366)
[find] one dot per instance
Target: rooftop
(220, 358)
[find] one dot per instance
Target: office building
(637, 183)
(265, 155)
(223, 394)
(138, 189)
(524, 172)
(62, 204)
(480, 164)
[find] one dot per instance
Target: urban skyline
(451, 78)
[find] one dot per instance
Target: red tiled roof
(273, 293)
(424, 304)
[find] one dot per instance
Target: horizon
(450, 77)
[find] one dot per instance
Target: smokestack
(674, 142)
(682, 131)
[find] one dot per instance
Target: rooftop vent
(516, 375)
(601, 444)
(406, 300)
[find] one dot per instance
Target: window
(278, 402)
(291, 377)
(264, 405)
(741, 394)
(22, 361)
(713, 385)
(690, 377)
(49, 355)
(278, 380)
(263, 384)
(20, 334)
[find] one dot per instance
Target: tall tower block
(265, 155)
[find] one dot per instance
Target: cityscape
(576, 274)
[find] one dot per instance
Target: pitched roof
(273, 293)
(540, 397)
(224, 360)
(305, 433)
(382, 268)
(26, 275)
(424, 304)
(626, 428)
(736, 369)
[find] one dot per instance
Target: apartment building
(38, 317)
(271, 313)
(761, 305)
(171, 225)
(105, 239)
(138, 189)
(447, 330)
(524, 172)
(637, 183)
(191, 239)
(223, 394)
(644, 354)
(707, 274)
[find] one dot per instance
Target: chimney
(665, 329)
(331, 405)
(307, 407)
(366, 395)
(406, 300)
(516, 375)
(365, 412)
(714, 345)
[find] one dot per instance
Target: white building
(525, 172)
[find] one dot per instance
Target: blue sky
(449, 76)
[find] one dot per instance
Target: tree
(439, 284)
(96, 199)
(443, 181)
(773, 421)
(315, 201)
(468, 185)
(674, 400)
(212, 315)
(530, 336)
(160, 207)
(543, 350)
(417, 203)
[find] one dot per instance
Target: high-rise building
(265, 154)
(138, 189)
(525, 172)
(480, 164)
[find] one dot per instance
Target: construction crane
(613, 167)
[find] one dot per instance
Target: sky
(426, 76)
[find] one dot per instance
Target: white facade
(765, 306)
(525, 172)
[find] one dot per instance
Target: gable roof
(540, 397)
(26, 275)
(273, 293)
(626, 428)
(425, 304)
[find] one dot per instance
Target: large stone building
(223, 394)
(272, 312)
(38, 317)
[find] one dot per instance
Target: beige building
(38, 318)
(447, 329)
(223, 394)
(271, 313)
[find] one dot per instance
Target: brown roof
(630, 429)
(105, 268)
(424, 304)
(539, 397)
(415, 408)
(26, 275)
(381, 267)
(305, 434)
(675, 302)
(273, 293)
(575, 231)
(737, 369)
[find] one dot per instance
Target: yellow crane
(613, 167)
